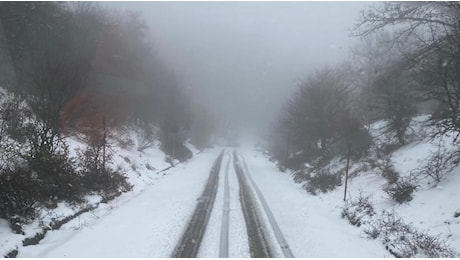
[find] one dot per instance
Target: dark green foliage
(95, 169)
(58, 51)
(29, 241)
(394, 100)
(390, 175)
(387, 170)
(401, 191)
(318, 122)
(12, 254)
(55, 177)
(323, 181)
(17, 196)
(172, 137)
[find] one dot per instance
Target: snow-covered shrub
(440, 163)
(388, 148)
(172, 141)
(97, 174)
(12, 254)
(372, 228)
(432, 246)
(146, 136)
(17, 202)
(358, 211)
(149, 167)
(323, 181)
(388, 171)
(13, 114)
(55, 176)
(401, 191)
(42, 179)
(390, 175)
(457, 214)
(298, 176)
(403, 240)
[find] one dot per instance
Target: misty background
(244, 59)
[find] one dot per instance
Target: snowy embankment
(313, 225)
(143, 224)
(149, 220)
(144, 171)
(434, 209)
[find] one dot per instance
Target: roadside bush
(358, 211)
(388, 148)
(440, 163)
(55, 177)
(146, 136)
(172, 141)
(403, 240)
(457, 214)
(96, 173)
(17, 197)
(401, 191)
(105, 182)
(323, 181)
(175, 149)
(300, 175)
(388, 172)
(42, 180)
(433, 246)
(13, 114)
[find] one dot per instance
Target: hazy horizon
(245, 58)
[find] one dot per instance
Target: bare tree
(319, 114)
(428, 37)
(51, 61)
(394, 100)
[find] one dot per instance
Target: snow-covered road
(152, 223)
(148, 225)
(312, 227)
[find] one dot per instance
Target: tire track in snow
(258, 245)
(271, 218)
(238, 244)
(190, 242)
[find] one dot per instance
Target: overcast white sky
(245, 58)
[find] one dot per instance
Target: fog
(243, 59)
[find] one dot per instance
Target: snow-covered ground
(148, 221)
(146, 225)
(143, 170)
(238, 238)
(311, 224)
(434, 205)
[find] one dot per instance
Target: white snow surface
(146, 225)
(238, 237)
(148, 221)
(311, 224)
